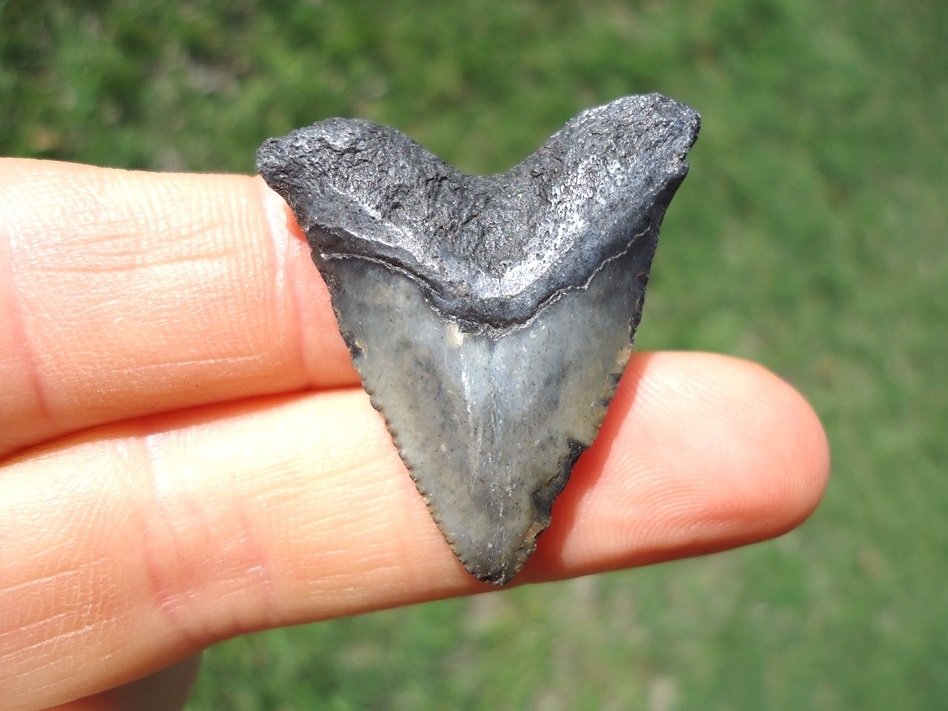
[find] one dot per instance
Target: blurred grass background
(810, 236)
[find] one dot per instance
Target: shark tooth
(490, 317)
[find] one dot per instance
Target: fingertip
(766, 429)
(806, 451)
(785, 450)
(699, 452)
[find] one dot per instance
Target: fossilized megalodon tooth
(490, 317)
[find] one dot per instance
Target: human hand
(186, 453)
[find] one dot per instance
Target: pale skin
(186, 453)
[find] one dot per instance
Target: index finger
(126, 293)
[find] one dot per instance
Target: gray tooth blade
(490, 317)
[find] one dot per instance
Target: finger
(164, 690)
(179, 531)
(750, 452)
(128, 293)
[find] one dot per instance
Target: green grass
(810, 236)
